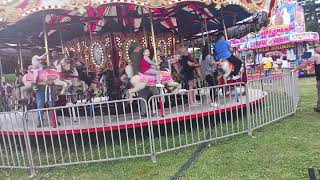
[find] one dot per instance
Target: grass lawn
(281, 150)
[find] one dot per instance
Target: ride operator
(315, 59)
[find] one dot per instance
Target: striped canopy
(77, 18)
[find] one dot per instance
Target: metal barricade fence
(76, 134)
(96, 132)
(279, 99)
(13, 141)
(195, 116)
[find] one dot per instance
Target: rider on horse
(149, 67)
(223, 51)
(37, 66)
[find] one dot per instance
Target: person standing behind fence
(210, 73)
(41, 103)
(315, 59)
(285, 65)
(267, 65)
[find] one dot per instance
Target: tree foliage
(312, 15)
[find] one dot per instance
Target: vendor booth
(285, 40)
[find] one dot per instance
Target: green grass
(281, 150)
(10, 78)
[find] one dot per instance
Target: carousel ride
(105, 39)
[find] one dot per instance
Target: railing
(96, 132)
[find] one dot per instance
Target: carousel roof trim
(12, 11)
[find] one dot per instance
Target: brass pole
(46, 41)
(61, 42)
(90, 34)
(154, 42)
(1, 72)
(202, 33)
(145, 35)
(144, 30)
(224, 26)
(20, 57)
(206, 29)
(173, 44)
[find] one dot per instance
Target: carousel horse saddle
(230, 64)
(44, 75)
(151, 79)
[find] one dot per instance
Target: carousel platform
(74, 120)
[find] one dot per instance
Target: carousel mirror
(97, 54)
(162, 47)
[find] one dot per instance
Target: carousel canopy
(23, 20)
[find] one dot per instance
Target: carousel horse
(71, 74)
(224, 70)
(141, 81)
(45, 77)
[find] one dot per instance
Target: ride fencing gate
(105, 131)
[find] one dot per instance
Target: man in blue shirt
(223, 51)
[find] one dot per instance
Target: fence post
(27, 141)
(248, 110)
(295, 93)
(152, 145)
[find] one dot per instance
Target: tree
(312, 14)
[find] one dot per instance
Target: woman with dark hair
(202, 58)
(187, 71)
(210, 72)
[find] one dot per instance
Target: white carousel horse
(225, 78)
(140, 81)
(45, 77)
(227, 68)
(64, 65)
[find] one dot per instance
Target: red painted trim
(134, 125)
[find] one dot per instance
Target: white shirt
(36, 61)
(285, 64)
